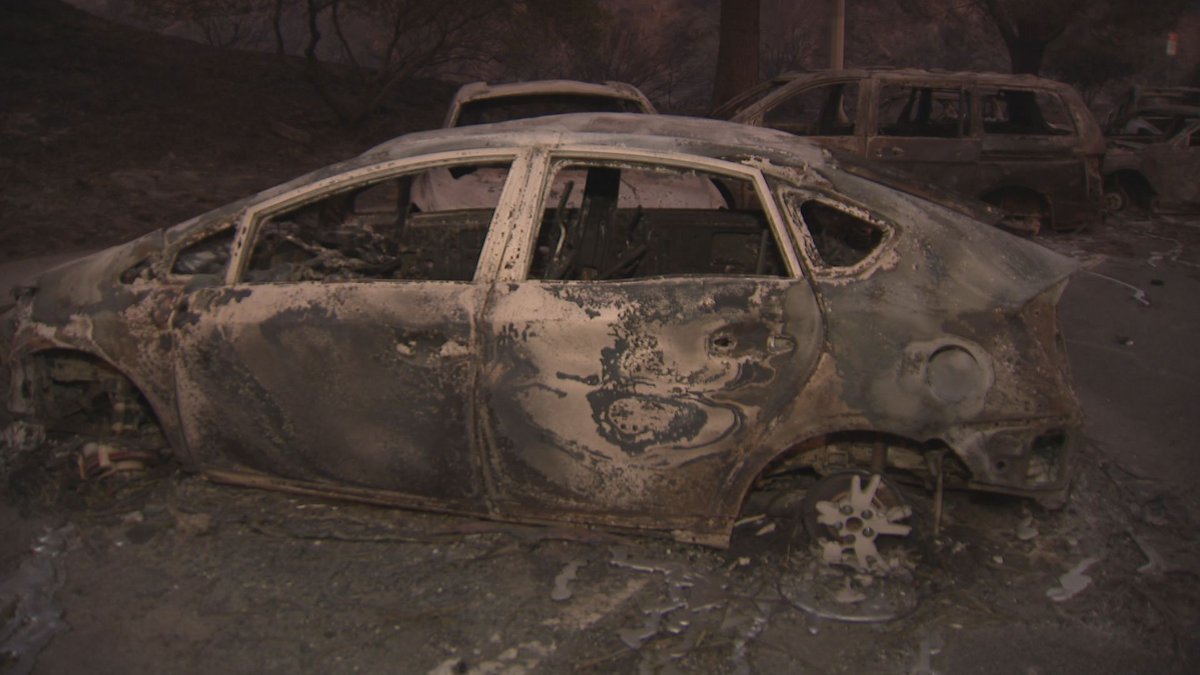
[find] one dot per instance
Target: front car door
(643, 343)
(340, 350)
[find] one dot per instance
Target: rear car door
(642, 343)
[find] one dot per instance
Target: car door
(923, 127)
(340, 349)
(636, 353)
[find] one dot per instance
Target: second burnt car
(484, 103)
(635, 365)
(1026, 144)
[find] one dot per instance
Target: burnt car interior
(635, 222)
(372, 232)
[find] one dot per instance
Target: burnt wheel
(848, 511)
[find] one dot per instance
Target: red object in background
(1172, 44)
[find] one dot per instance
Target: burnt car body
(1151, 110)
(1026, 144)
(629, 366)
(1153, 158)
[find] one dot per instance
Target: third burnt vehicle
(1026, 144)
(484, 103)
(1153, 158)
(624, 362)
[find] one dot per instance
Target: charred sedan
(606, 350)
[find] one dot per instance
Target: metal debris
(1073, 582)
(1138, 294)
(562, 590)
(840, 594)
(1026, 530)
(931, 646)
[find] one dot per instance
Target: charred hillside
(108, 132)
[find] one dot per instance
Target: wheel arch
(902, 452)
(1020, 198)
(1135, 184)
(35, 374)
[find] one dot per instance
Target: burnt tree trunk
(737, 55)
(1025, 55)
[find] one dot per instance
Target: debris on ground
(562, 589)
(1073, 582)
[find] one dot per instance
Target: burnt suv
(1023, 143)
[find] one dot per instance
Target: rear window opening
(607, 222)
(841, 239)
(1024, 112)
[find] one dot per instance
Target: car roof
(782, 85)
(649, 135)
(664, 133)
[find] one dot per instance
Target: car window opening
(828, 110)
(605, 223)
(1024, 112)
(208, 256)
(923, 112)
(842, 239)
(428, 226)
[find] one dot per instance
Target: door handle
(897, 151)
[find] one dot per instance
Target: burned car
(484, 103)
(1153, 157)
(619, 363)
(1025, 144)
(1151, 110)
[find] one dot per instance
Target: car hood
(93, 280)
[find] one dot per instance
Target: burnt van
(1025, 144)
